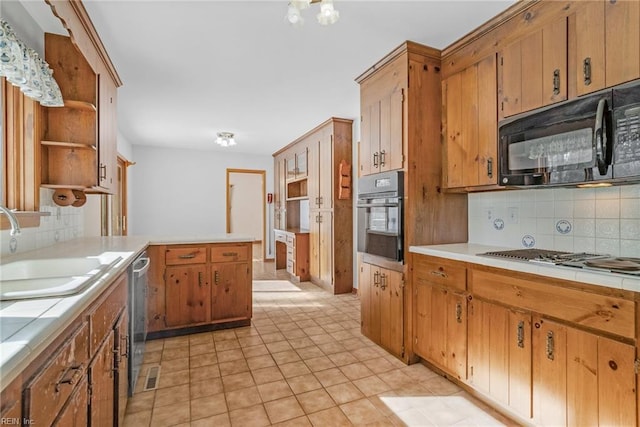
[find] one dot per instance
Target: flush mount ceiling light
(225, 139)
(328, 14)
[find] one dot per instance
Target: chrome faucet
(13, 220)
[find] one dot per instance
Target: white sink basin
(49, 277)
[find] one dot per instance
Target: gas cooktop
(598, 262)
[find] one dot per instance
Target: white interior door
(246, 206)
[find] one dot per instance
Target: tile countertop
(468, 252)
(28, 326)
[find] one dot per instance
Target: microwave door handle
(600, 135)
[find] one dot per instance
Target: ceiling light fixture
(328, 15)
(225, 139)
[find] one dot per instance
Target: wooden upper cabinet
(622, 41)
(470, 125)
(107, 131)
(533, 70)
(381, 145)
(296, 164)
(607, 44)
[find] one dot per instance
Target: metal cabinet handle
(320, 218)
(376, 278)
(187, 256)
(383, 156)
(459, 312)
(125, 338)
(103, 172)
(200, 278)
(520, 334)
(556, 81)
(375, 159)
(586, 71)
(229, 253)
(439, 273)
(216, 277)
(71, 376)
(321, 200)
(490, 167)
(383, 281)
(550, 345)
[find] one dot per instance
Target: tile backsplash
(600, 220)
(64, 223)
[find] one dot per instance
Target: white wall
(183, 192)
(600, 220)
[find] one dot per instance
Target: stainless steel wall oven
(380, 213)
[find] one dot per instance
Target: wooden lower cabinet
(231, 294)
(580, 378)
(80, 379)
(189, 291)
(382, 307)
(102, 385)
(545, 351)
(441, 328)
(499, 354)
(198, 286)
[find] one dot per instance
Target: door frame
(263, 174)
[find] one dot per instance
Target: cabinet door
(231, 294)
(188, 295)
(315, 237)
(582, 378)
(616, 383)
(375, 308)
(622, 41)
(520, 346)
(313, 181)
(391, 139)
(456, 335)
(107, 132)
(549, 373)
(590, 47)
(121, 349)
(365, 293)
(325, 250)
(102, 385)
(290, 163)
(423, 325)
(366, 151)
(301, 163)
(75, 413)
(479, 356)
(326, 170)
(391, 311)
(534, 70)
(437, 350)
(470, 111)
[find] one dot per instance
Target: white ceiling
(194, 68)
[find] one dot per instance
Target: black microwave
(588, 140)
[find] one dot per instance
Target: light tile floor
(302, 362)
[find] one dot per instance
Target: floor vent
(153, 377)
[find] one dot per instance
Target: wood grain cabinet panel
(622, 50)
(534, 70)
(188, 295)
(201, 286)
(470, 126)
(101, 383)
(382, 304)
(74, 413)
(121, 352)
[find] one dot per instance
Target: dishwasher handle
(146, 262)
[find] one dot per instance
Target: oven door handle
(378, 205)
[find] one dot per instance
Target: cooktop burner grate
(526, 254)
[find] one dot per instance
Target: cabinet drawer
(105, 316)
(291, 267)
(280, 236)
(291, 240)
(604, 312)
(45, 396)
(437, 273)
(230, 253)
(185, 255)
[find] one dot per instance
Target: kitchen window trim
(20, 157)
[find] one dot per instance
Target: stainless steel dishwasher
(137, 316)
